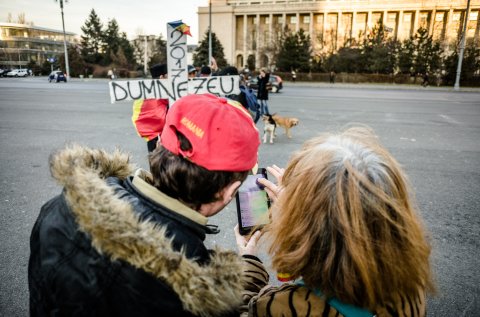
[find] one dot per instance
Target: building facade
(249, 30)
(22, 43)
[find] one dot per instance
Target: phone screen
(252, 203)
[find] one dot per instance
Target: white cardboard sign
(177, 85)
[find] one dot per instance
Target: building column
(415, 21)
(432, 21)
(354, 25)
(297, 26)
(400, 35)
(340, 30)
(284, 21)
(324, 30)
(245, 55)
(369, 21)
(234, 44)
(270, 28)
(448, 24)
(477, 29)
(257, 42)
(270, 36)
(310, 27)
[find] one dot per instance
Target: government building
(249, 29)
(22, 43)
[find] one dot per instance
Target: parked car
(57, 76)
(3, 72)
(275, 83)
(18, 73)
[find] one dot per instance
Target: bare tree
(21, 18)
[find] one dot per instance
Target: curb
(379, 86)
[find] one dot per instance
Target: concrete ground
(433, 132)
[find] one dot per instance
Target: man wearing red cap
(119, 242)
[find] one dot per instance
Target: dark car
(57, 76)
(275, 84)
(3, 72)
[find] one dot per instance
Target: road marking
(449, 119)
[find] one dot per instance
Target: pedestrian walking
(426, 79)
(262, 92)
(332, 77)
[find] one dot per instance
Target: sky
(133, 16)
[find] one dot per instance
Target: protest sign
(177, 83)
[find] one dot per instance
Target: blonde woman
(344, 231)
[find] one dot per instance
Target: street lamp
(145, 68)
(64, 40)
(210, 32)
(462, 48)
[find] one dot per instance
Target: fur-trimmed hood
(117, 232)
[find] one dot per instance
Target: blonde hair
(345, 222)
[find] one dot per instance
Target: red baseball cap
(222, 133)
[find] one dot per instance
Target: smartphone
(252, 204)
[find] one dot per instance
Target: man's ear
(229, 191)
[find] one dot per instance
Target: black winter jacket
(262, 92)
(110, 245)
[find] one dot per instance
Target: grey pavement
(433, 132)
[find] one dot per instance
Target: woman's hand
(273, 189)
(213, 65)
(245, 245)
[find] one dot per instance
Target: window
(423, 19)
(306, 19)
(293, 20)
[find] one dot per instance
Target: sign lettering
(177, 83)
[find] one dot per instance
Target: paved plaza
(434, 133)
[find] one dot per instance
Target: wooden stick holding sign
(177, 84)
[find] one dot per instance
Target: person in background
(246, 97)
(426, 79)
(214, 67)
(332, 77)
(344, 233)
(205, 71)
(246, 72)
(192, 71)
(294, 76)
(262, 92)
(120, 242)
(148, 115)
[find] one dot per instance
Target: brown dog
(285, 122)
